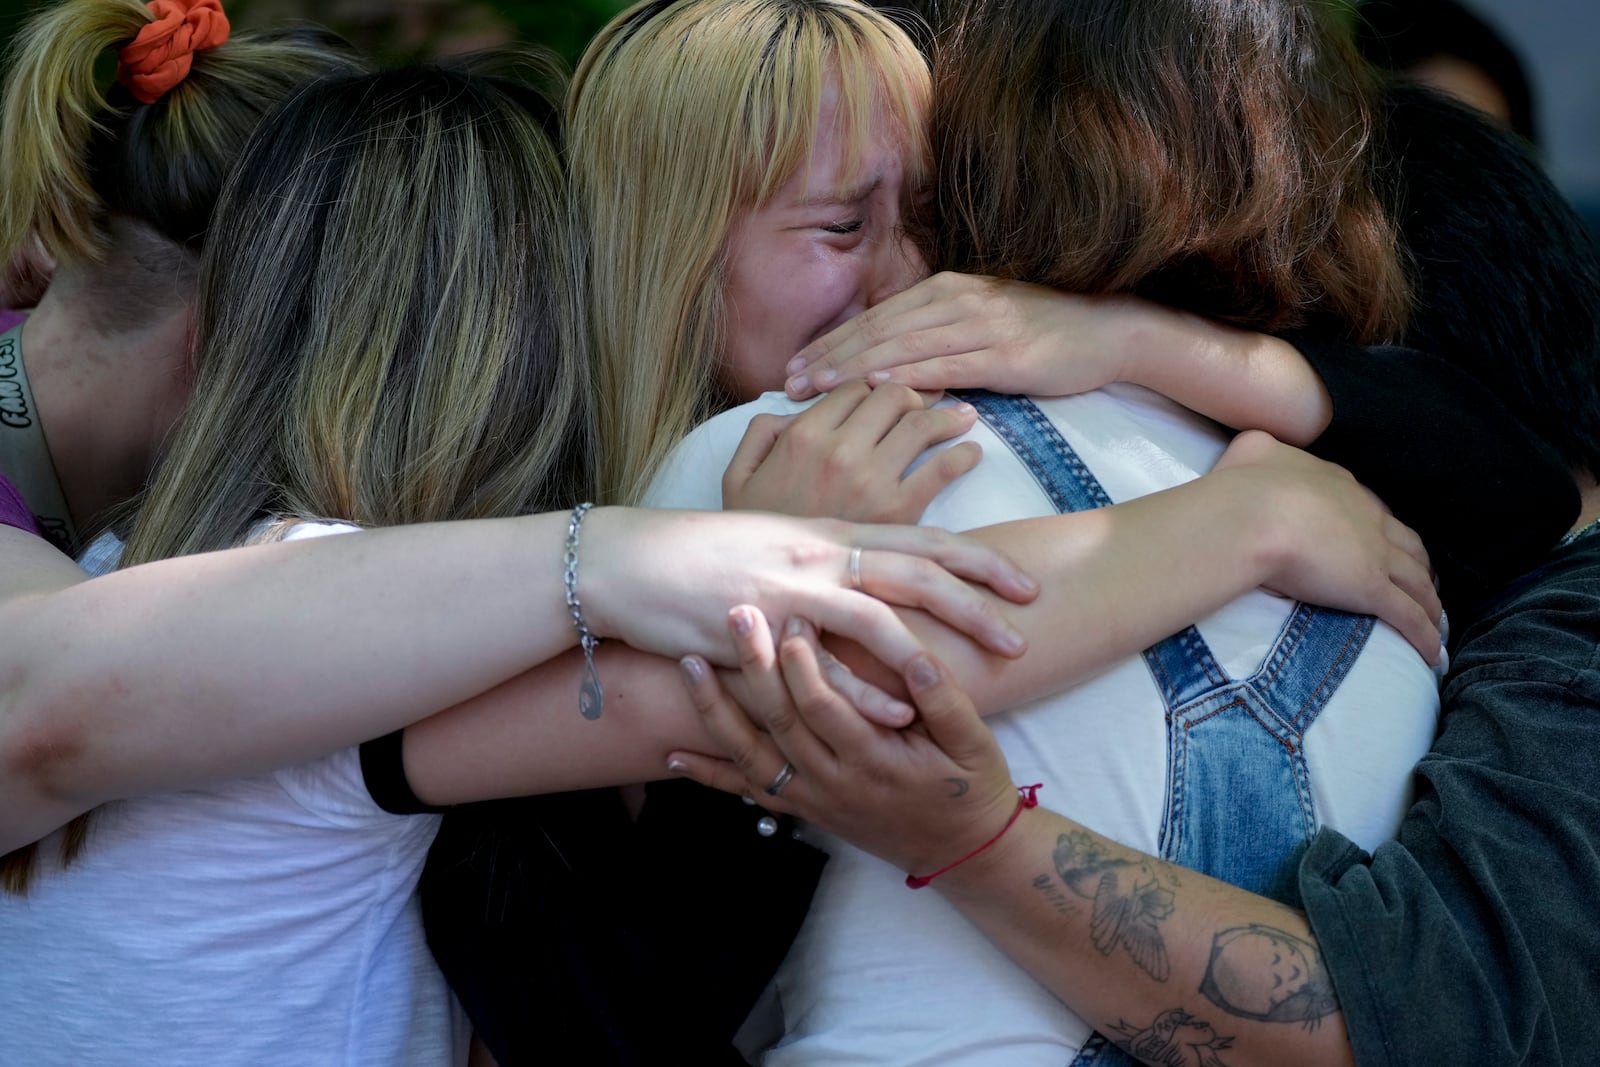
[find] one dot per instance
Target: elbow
(41, 749)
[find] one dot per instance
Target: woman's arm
(1162, 960)
(962, 331)
(227, 663)
(1114, 581)
(1488, 497)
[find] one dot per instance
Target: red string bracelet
(1027, 797)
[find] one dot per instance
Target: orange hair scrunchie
(160, 56)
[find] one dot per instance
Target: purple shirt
(14, 510)
(9, 318)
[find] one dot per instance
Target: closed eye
(853, 226)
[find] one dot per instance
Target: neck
(105, 401)
(1589, 495)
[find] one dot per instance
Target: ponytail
(52, 107)
(74, 157)
(75, 154)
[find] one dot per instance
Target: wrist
(1269, 540)
(1159, 347)
(1027, 798)
(591, 694)
(599, 557)
(1025, 838)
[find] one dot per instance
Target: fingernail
(826, 377)
(964, 409)
(677, 766)
(921, 673)
(795, 365)
(800, 383)
(878, 377)
(693, 672)
(742, 622)
(1012, 641)
(901, 710)
(749, 800)
(796, 627)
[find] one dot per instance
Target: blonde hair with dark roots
(387, 326)
(684, 113)
(76, 155)
(1211, 154)
(99, 179)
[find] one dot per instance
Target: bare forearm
(225, 663)
(1154, 956)
(1245, 380)
(527, 736)
(1114, 581)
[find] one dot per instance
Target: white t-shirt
(270, 920)
(883, 975)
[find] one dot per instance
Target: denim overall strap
(1245, 740)
(1182, 665)
(1236, 738)
(1018, 422)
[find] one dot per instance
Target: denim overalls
(1238, 800)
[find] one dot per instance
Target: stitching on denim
(1021, 425)
(1094, 1050)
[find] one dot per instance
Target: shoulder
(1547, 623)
(1521, 703)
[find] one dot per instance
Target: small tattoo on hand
(958, 787)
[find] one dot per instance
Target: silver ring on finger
(780, 780)
(855, 568)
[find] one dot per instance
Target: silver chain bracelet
(591, 697)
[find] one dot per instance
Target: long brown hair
(1210, 154)
(386, 326)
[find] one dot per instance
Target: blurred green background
(399, 30)
(1556, 36)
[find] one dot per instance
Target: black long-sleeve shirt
(1433, 428)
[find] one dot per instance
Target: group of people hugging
(1250, 714)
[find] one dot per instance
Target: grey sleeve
(1474, 937)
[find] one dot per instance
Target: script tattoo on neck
(1130, 899)
(1263, 973)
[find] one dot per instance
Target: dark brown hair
(1210, 154)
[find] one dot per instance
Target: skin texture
(966, 331)
(1466, 82)
(90, 714)
(830, 244)
(1269, 515)
(1172, 966)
